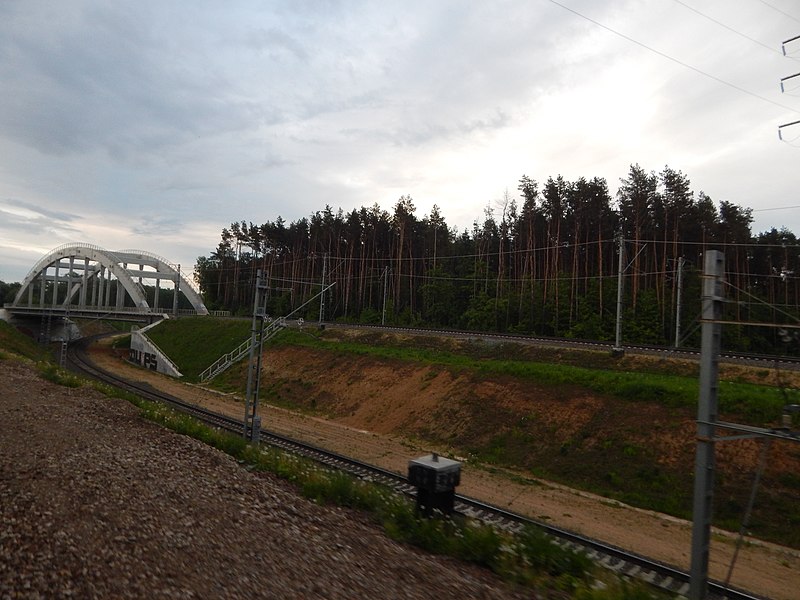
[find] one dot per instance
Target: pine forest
(544, 261)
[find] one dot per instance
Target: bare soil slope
(565, 432)
(380, 412)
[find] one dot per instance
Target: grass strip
(530, 559)
(194, 343)
(759, 404)
(14, 342)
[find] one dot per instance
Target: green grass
(758, 404)
(530, 558)
(194, 343)
(16, 343)
(123, 341)
(618, 469)
(53, 373)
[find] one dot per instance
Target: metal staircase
(226, 360)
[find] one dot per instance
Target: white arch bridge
(87, 280)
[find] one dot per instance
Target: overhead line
(675, 60)
(731, 29)
(776, 207)
(776, 9)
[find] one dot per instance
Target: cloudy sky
(153, 124)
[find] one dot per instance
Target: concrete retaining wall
(145, 353)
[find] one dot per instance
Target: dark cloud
(41, 211)
(44, 224)
(205, 112)
(109, 79)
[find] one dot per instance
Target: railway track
(622, 562)
(761, 360)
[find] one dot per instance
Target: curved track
(625, 563)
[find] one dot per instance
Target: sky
(152, 125)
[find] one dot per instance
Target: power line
(757, 300)
(775, 8)
(775, 208)
(731, 29)
(675, 60)
(506, 253)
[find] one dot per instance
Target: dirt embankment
(623, 448)
(387, 412)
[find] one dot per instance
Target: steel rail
(623, 562)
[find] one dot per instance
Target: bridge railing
(120, 258)
(190, 312)
(172, 265)
(74, 308)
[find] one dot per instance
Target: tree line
(544, 261)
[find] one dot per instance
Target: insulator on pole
(780, 136)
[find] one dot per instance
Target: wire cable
(762, 463)
(675, 60)
(758, 300)
(777, 207)
(731, 29)
(775, 8)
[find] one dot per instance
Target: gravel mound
(96, 502)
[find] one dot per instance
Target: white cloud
(153, 125)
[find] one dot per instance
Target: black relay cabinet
(436, 479)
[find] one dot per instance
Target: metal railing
(61, 308)
(190, 312)
(226, 360)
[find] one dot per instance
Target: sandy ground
(763, 568)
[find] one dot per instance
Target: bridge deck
(114, 314)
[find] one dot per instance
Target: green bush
(541, 552)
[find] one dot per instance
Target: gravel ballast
(96, 502)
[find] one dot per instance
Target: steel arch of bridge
(87, 272)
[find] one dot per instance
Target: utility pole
(707, 425)
(681, 262)
(252, 422)
(713, 270)
(617, 350)
(385, 282)
(322, 296)
(65, 339)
